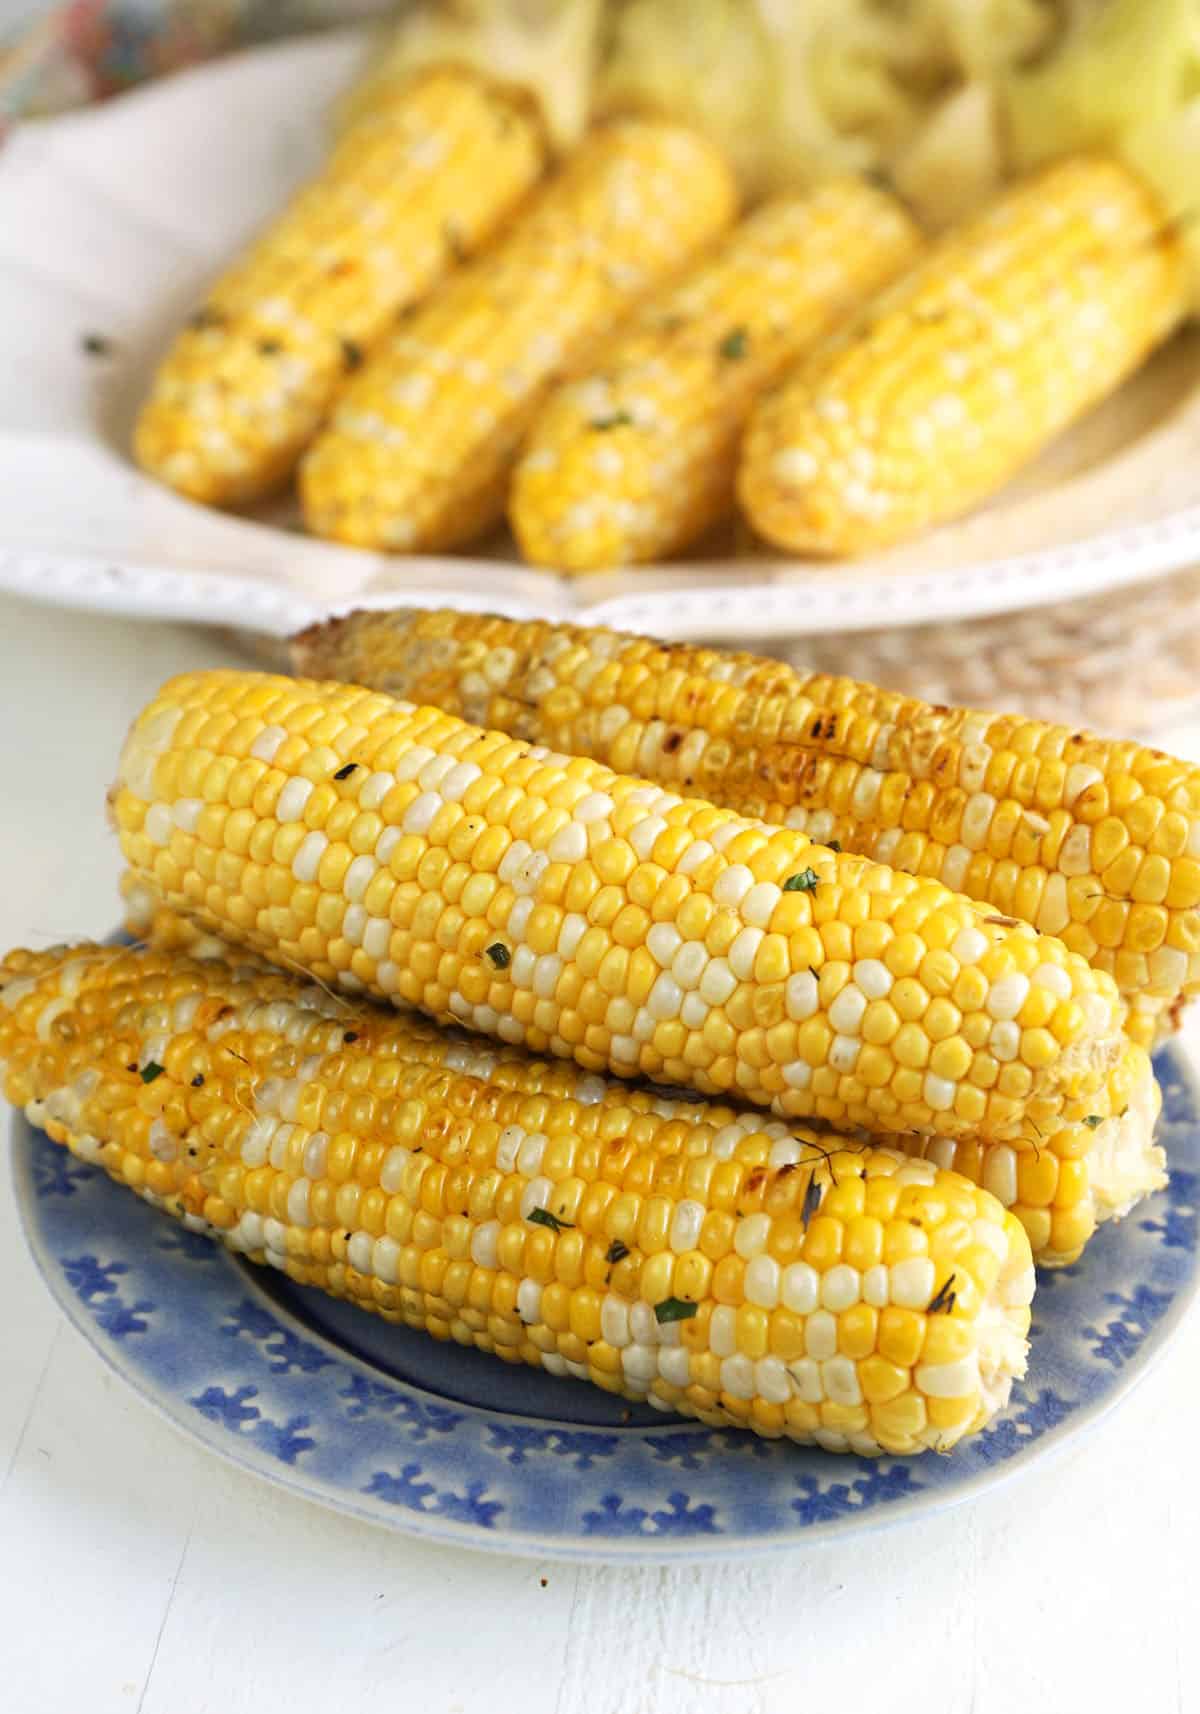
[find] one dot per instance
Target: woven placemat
(1124, 663)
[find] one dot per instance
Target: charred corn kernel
(1010, 328)
(844, 762)
(424, 178)
(636, 458)
(239, 1051)
(420, 447)
(435, 759)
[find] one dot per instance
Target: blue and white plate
(455, 1447)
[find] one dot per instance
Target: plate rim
(530, 1544)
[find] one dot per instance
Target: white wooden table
(139, 1575)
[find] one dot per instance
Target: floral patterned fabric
(86, 50)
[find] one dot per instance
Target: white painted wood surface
(139, 1575)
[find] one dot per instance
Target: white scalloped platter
(113, 220)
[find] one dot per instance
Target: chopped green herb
(543, 1217)
(811, 1203)
(943, 1299)
(269, 347)
(499, 954)
(352, 354)
(151, 1070)
(735, 345)
(833, 844)
(619, 419)
(804, 882)
(345, 773)
(1093, 1120)
(617, 1252)
(674, 1309)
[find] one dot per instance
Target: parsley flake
(674, 1309)
(543, 1217)
(151, 1070)
(619, 419)
(804, 882)
(735, 345)
(1093, 1120)
(616, 1252)
(811, 1203)
(499, 954)
(352, 354)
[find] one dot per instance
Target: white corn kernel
(912, 1282)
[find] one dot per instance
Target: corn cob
(637, 459)
(1059, 1189)
(419, 451)
(1092, 840)
(423, 177)
(1011, 327)
(711, 1265)
(550, 901)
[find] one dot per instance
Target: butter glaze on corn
(421, 179)
(637, 458)
(1096, 841)
(1059, 1187)
(419, 451)
(1008, 330)
(388, 1164)
(550, 901)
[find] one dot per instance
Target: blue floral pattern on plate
(439, 1442)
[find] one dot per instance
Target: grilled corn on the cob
(419, 450)
(548, 900)
(1096, 841)
(1059, 1187)
(425, 176)
(959, 374)
(716, 1266)
(637, 458)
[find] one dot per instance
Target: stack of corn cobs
(431, 336)
(778, 1025)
